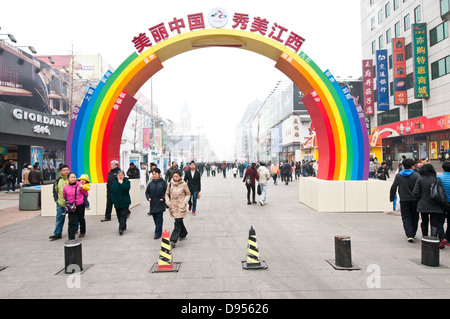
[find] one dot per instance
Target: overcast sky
(216, 83)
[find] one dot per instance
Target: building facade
(275, 129)
(419, 126)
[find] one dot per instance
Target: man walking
(112, 176)
(60, 201)
(193, 180)
(170, 171)
(405, 181)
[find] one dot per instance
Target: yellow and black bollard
(165, 262)
(253, 260)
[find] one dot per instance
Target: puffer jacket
(263, 175)
(177, 197)
(69, 193)
(156, 191)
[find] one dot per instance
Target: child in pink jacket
(73, 193)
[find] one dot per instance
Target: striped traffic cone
(165, 262)
(253, 259)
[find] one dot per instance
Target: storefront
(28, 136)
(416, 138)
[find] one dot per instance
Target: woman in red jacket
(250, 177)
(73, 193)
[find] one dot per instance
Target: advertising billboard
(32, 84)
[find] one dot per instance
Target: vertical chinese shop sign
(368, 87)
(382, 80)
(421, 70)
(399, 59)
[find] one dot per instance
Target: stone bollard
(430, 251)
(72, 256)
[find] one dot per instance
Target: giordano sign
(23, 121)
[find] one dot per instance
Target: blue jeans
(193, 200)
(13, 183)
(60, 219)
(158, 219)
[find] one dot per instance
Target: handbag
(437, 193)
(259, 191)
(71, 207)
(248, 181)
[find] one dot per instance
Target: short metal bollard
(343, 254)
(430, 251)
(343, 251)
(72, 256)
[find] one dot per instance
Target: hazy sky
(216, 83)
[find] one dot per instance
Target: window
(439, 33)
(397, 29)
(406, 22)
(372, 2)
(445, 7)
(410, 81)
(387, 10)
(381, 41)
(372, 23)
(380, 16)
(408, 51)
(440, 68)
(396, 4)
(388, 36)
(389, 117)
(415, 110)
(417, 15)
(374, 47)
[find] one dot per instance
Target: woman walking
(427, 208)
(73, 193)
(155, 194)
(177, 197)
(120, 196)
(250, 182)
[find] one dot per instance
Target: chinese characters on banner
(382, 80)
(399, 59)
(420, 48)
(368, 87)
(241, 21)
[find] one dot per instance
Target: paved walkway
(295, 242)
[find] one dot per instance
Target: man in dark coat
(405, 181)
(193, 179)
(133, 172)
(112, 176)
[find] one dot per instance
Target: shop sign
(368, 87)
(415, 126)
(421, 71)
(43, 122)
(382, 80)
(3, 150)
(218, 18)
(399, 60)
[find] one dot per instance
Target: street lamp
(32, 49)
(11, 37)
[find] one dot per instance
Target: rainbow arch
(95, 138)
